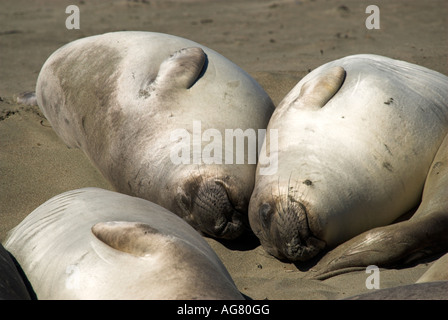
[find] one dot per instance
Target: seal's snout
(284, 231)
(212, 210)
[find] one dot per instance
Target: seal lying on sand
(96, 244)
(134, 101)
(356, 139)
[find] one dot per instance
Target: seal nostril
(214, 212)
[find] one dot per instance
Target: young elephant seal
(97, 244)
(144, 106)
(356, 139)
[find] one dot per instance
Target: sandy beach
(276, 42)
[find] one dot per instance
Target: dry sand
(277, 42)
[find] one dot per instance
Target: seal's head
(283, 228)
(213, 206)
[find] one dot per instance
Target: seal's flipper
(182, 69)
(135, 238)
(402, 242)
(316, 92)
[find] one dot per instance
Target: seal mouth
(285, 232)
(211, 210)
(230, 228)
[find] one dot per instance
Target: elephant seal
(416, 291)
(144, 107)
(12, 286)
(96, 244)
(356, 139)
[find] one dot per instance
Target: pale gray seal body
(356, 139)
(416, 291)
(423, 234)
(12, 285)
(96, 244)
(122, 96)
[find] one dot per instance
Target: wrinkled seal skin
(96, 244)
(12, 285)
(357, 137)
(119, 97)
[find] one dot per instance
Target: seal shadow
(305, 266)
(403, 264)
(246, 242)
(203, 70)
(25, 280)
